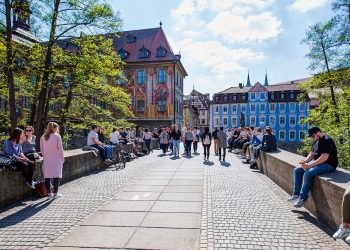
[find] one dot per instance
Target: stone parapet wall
(326, 195)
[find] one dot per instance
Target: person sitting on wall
(114, 137)
(101, 138)
(322, 159)
(93, 141)
(29, 144)
(344, 228)
(123, 136)
(13, 148)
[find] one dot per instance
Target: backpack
(206, 140)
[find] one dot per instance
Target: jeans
(195, 146)
(101, 150)
(206, 150)
(148, 144)
(108, 152)
(303, 178)
(188, 147)
(256, 151)
(224, 153)
(176, 147)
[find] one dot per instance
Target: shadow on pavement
(303, 215)
(24, 213)
(208, 163)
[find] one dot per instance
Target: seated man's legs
(309, 174)
(101, 150)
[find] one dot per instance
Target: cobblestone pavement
(244, 209)
(241, 209)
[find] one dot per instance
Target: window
(302, 107)
(144, 53)
(234, 121)
(272, 121)
(225, 109)
(301, 135)
(282, 120)
(292, 107)
(282, 107)
(140, 76)
(252, 108)
(225, 98)
(252, 96)
(216, 109)
(262, 96)
(292, 120)
(131, 38)
(234, 98)
(123, 54)
(292, 135)
(282, 96)
(161, 107)
(272, 96)
(272, 107)
(252, 121)
(216, 98)
(291, 95)
(216, 121)
(203, 112)
(243, 108)
(301, 118)
(162, 76)
(161, 52)
(262, 108)
(140, 106)
(243, 97)
(282, 135)
(203, 121)
(234, 108)
(262, 120)
(225, 121)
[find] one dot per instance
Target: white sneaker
(108, 161)
(341, 233)
(56, 196)
(50, 196)
(299, 203)
(293, 197)
(348, 239)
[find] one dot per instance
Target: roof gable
(258, 87)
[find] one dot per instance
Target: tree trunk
(34, 101)
(9, 66)
(63, 120)
(40, 119)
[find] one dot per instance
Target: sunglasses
(29, 130)
(313, 136)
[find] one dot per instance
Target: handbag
(41, 188)
(7, 161)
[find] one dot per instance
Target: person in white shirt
(147, 136)
(93, 141)
(114, 136)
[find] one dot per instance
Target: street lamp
(174, 90)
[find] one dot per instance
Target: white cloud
(221, 5)
(185, 8)
(306, 5)
(213, 55)
(235, 28)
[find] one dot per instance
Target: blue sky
(220, 40)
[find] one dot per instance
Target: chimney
(240, 85)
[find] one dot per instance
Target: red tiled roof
(235, 90)
(151, 39)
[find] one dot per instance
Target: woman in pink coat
(52, 150)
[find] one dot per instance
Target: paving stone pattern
(164, 203)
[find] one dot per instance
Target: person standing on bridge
(344, 229)
(321, 160)
(52, 150)
(206, 141)
(222, 141)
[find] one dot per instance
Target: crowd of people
(21, 147)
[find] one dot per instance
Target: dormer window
(144, 53)
(161, 52)
(123, 54)
(131, 38)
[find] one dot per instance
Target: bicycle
(121, 161)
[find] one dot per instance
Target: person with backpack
(206, 141)
(52, 150)
(195, 139)
(222, 143)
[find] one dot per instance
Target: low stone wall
(77, 164)
(326, 195)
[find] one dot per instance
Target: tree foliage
(329, 61)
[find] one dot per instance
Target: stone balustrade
(327, 190)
